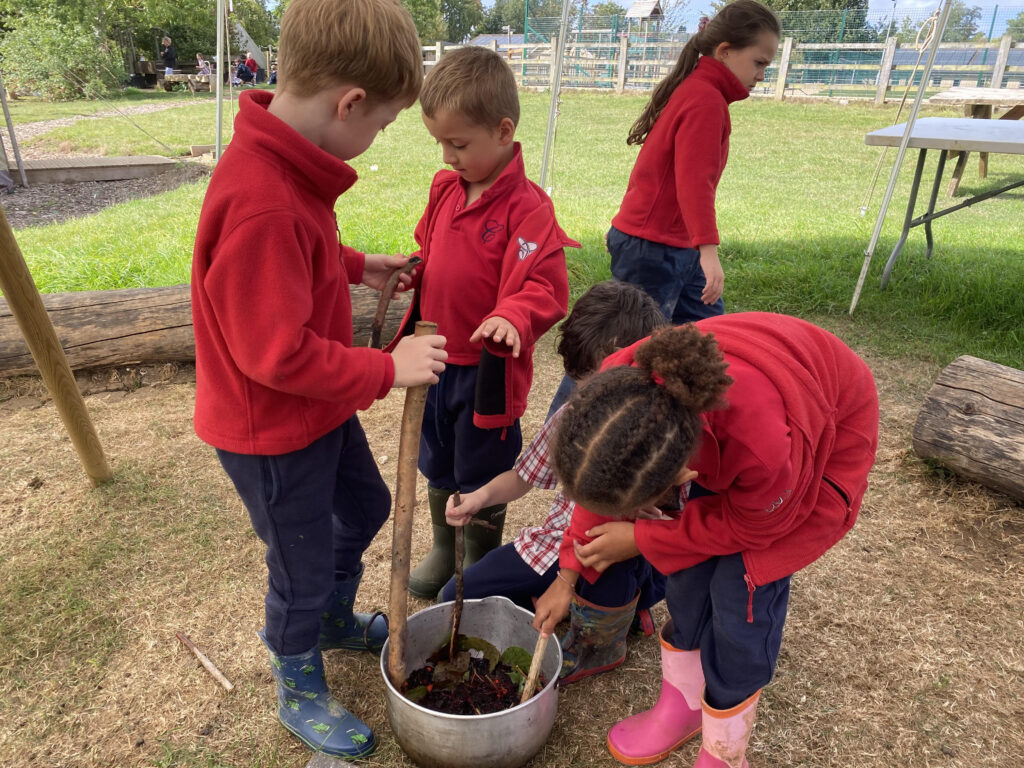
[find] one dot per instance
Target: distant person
(243, 74)
(169, 56)
(273, 74)
(665, 236)
(202, 65)
(252, 64)
(278, 380)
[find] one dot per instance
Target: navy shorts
(455, 454)
(671, 276)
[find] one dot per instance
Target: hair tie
(701, 24)
(658, 379)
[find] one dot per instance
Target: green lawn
(793, 235)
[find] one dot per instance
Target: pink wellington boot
(726, 733)
(653, 735)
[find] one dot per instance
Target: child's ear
(506, 131)
(348, 100)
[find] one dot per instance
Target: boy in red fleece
(278, 382)
(493, 278)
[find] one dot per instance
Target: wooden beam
(143, 326)
(39, 335)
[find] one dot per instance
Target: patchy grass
(903, 645)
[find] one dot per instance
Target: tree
(1015, 27)
(961, 26)
(461, 19)
(609, 8)
(426, 15)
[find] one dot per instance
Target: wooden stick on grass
(405, 503)
(218, 676)
(538, 658)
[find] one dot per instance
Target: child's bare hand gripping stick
(419, 360)
(506, 487)
(553, 605)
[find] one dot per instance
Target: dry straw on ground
(903, 645)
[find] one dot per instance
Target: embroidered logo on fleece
(779, 501)
(526, 248)
(491, 229)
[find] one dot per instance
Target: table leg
(1013, 113)
(931, 201)
(958, 173)
(983, 111)
(906, 221)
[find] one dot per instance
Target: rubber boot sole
(649, 759)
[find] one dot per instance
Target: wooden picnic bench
(979, 103)
(194, 82)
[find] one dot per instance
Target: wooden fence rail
(842, 70)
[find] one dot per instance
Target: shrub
(58, 61)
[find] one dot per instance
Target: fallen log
(972, 422)
(142, 326)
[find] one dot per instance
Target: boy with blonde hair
(278, 382)
(493, 278)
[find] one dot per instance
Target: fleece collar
(715, 72)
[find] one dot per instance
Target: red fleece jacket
(671, 194)
(501, 256)
(271, 311)
(801, 424)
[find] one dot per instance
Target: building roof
(645, 9)
(501, 38)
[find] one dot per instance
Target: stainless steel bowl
(506, 739)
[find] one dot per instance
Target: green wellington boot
(481, 539)
(341, 627)
(437, 567)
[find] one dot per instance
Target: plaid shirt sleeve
(538, 545)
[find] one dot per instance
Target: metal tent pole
(220, 79)
(10, 134)
(940, 29)
(556, 86)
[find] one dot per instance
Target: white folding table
(949, 135)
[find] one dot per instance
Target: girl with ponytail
(729, 453)
(665, 237)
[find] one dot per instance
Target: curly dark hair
(625, 434)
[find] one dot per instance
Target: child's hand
(498, 329)
(377, 268)
(462, 514)
(418, 360)
(612, 543)
(553, 605)
(714, 277)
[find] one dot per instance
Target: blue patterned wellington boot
(340, 627)
(596, 640)
(308, 710)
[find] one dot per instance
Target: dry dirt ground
(904, 645)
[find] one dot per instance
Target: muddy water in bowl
(505, 739)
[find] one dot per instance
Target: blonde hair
(474, 82)
(739, 24)
(369, 43)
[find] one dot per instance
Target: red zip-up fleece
(670, 198)
(502, 256)
(788, 459)
(275, 366)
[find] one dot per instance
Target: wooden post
(620, 84)
(405, 504)
(999, 68)
(438, 51)
(780, 83)
(494, 45)
(885, 70)
(27, 307)
(972, 421)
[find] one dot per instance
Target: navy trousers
(710, 605)
(671, 276)
(317, 510)
(503, 572)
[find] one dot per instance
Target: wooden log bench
(972, 422)
(144, 326)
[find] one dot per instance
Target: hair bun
(688, 364)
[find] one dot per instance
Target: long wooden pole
(405, 503)
(27, 307)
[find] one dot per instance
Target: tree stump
(972, 422)
(143, 326)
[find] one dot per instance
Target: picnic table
(949, 135)
(194, 82)
(979, 103)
